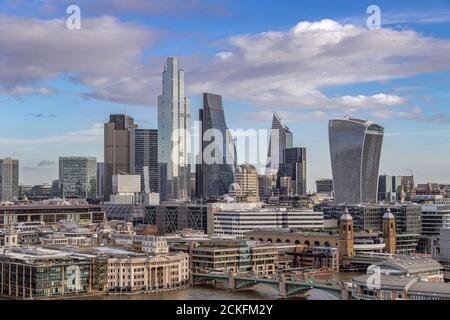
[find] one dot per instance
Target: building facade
(389, 188)
(234, 256)
(116, 148)
(324, 186)
(174, 124)
(78, 177)
(144, 158)
(216, 172)
(355, 148)
(294, 166)
(9, 179)
(245, 187)
(237, 223)
(50, 214)
(100, 179)
(280, 138)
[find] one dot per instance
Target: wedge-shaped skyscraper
(280, 139)
(355, 148)
(215, 174)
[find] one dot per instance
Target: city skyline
(62, 110)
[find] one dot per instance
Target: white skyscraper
(174, 139)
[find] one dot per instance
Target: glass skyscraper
(280, 139)
(174, 139)
(78, 177)
(9, 179)
(214, 179)
(294, 166)
(144, 157)
(355, 149)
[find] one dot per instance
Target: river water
(210, 292)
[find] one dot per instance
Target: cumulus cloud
(291, 68)
(274, 69)
(105, 56)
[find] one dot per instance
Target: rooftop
(410, 264)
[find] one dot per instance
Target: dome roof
(388, 214)
(346, 216)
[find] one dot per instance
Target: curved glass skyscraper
(355, 148)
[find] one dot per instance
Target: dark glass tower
(294, 166)
(214, 179)
(355, 148)
(144, 157)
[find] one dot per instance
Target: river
(210, 292)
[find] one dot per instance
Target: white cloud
(291, 68)
(105, 55)
(94, 134)
(276, 69)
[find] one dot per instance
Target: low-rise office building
(39, 272)
(233, 256)
(149, 244)
(238, 222)
(35, 272)
(50, 214)
(131, 272)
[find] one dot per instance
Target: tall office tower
(294, 166)
(355, 148)
(389, 188)
(216, 172)
(100, 179)
(280, 139)
(78, 177)
(116, 148)
(144, 157)
(9, 179)
(174, 138)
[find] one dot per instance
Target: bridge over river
(285, 286)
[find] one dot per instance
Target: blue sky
(308, 60)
